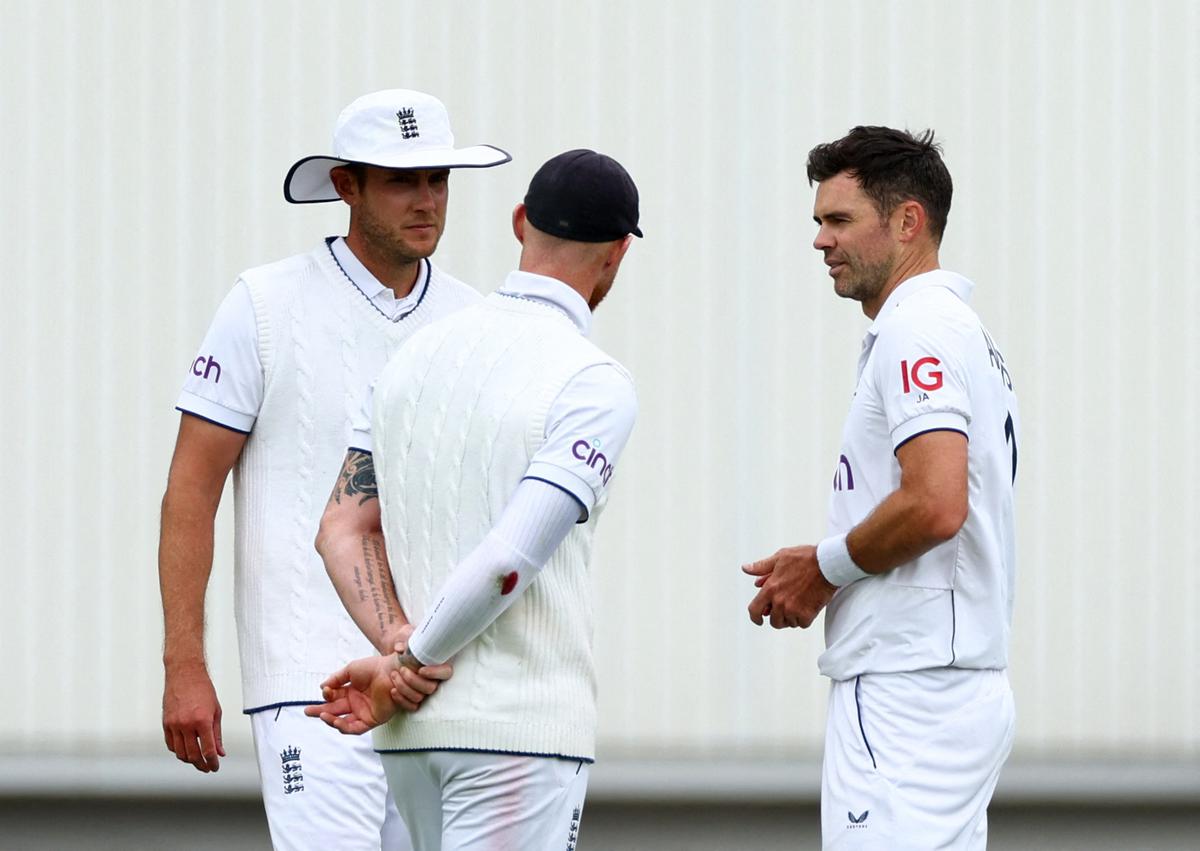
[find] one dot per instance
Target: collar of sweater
(370, 286)
(551, 291)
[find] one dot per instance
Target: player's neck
(906, 267)
(582, 281)
(399, 277)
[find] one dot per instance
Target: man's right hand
(192, 717)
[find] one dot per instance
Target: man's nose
(426, 196)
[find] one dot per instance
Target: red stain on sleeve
(509, 583)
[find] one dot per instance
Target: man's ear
(344, 183)
(617, 254)
(518, 223)
(911, 220)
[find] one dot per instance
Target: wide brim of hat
(308, 182)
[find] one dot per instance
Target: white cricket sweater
(321, 342)
(459, 413)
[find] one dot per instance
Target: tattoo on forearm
(357, 478)
(379, 582)
(358, 583)
(385, 579)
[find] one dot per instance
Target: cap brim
(308, 182)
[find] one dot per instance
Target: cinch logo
(843, 464)
(590, 454)
(930, 379)
(203, 367)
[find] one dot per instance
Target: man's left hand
(792, 590)
(358, 698)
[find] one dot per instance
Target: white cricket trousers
(912, 759)
(476, 801)
(322, 789)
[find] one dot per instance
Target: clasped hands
(368, 692)
(792, 589)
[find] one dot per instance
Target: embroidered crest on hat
(408, 123)
(365, 132)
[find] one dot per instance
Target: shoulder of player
(279, 274)
(932, 311)
(284, 268)
(606, 379)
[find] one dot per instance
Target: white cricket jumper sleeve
(586, 430)
(495, 574)
(224, 383)
(921, 374)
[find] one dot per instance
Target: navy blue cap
(583, 196)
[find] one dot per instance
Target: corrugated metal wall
(145, 147)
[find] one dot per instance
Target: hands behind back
(368, 692)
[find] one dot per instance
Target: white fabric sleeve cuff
(360, 421)
(362, 440)
(833, 558)
(198, 406)
(933, 421)
(494, 574)
(567, 481)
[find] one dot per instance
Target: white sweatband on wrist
(833, 558)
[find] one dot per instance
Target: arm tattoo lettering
(379, 582)
(357, 478)
(358, 583)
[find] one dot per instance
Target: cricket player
(917, 570)
(495, 438)
(270, 395)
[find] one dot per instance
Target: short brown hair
(891, 166)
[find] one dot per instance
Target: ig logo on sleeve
(923, 374)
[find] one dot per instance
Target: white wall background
(144, 148)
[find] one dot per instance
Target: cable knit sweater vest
(321, 343)
(459, 415)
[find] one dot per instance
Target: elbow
(943, 522)
(326, 536)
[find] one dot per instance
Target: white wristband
(835, 563)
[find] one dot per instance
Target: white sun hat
(395, 128)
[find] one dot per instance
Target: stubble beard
(390, 247)
(865, 281)
(598, 295)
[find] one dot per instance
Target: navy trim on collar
(424, 291)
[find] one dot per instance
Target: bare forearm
(358, 567)
(928, 508)
(351, 544)
(185, 553)
(900, 529)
